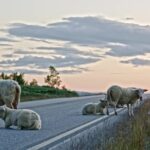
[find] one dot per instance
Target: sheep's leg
(107, 111)
(7, 123)
(8, 101)
(95, 112)
(132, 113)
(19, 125)
(9, 105)
(115, 110)
(21, 128)
(128, 109)
(138, 102)
(129, 112)
(14, 105)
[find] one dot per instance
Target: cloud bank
(82, 40)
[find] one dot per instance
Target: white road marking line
(54, 139)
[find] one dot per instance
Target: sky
(93, 44)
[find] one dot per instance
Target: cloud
(26, 71)
(5, 45)
(89, 30)
(128, 50)
(122, 39)
(3, 39)
(129, 18)
(137, 62)
(68, 57)
(73, 70)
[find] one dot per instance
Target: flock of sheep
(115, 96)
(10, 92)
(22, 118)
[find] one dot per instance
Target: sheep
(22, 118)
(94, 108)
(10, 92)
(117, 95)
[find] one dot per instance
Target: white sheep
(119, 95)
(94, 108)
(10, 92)
(22, 118)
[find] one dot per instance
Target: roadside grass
(135, 133)
(30, 93)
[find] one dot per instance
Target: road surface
(57, 115)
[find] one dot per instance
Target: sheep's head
(103, 103)
(140, 93)
(2, 111)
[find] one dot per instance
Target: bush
(44, 92)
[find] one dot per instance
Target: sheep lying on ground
(22, 118)
(118, 95)
(9, 93)
(94, 108)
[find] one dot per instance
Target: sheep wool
(119, 95)
(94, 108)
(10, 92)
(22, 118)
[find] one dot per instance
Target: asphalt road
(57, 115)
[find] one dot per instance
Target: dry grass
(135, 133)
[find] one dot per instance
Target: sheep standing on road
(94, 108)
(10, 92)
(22, 118)
(118, 95)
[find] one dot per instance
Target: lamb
(10, 92)
(22, 118)
(119, 95)
(94, 108)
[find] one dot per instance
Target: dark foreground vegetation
(135, 133)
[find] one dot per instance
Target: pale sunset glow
(92, 43)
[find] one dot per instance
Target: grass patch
(133, 134)
(29, 93)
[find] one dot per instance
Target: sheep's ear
(145, 90)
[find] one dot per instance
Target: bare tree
(53, 79)
(34, 82)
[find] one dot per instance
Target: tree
(4, 76)
(63, 87)
(34, 82)
(53, 79)
(14, 76)
(19, 78)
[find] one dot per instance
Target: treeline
(19, 77)
(52, 79)
(32, 91)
